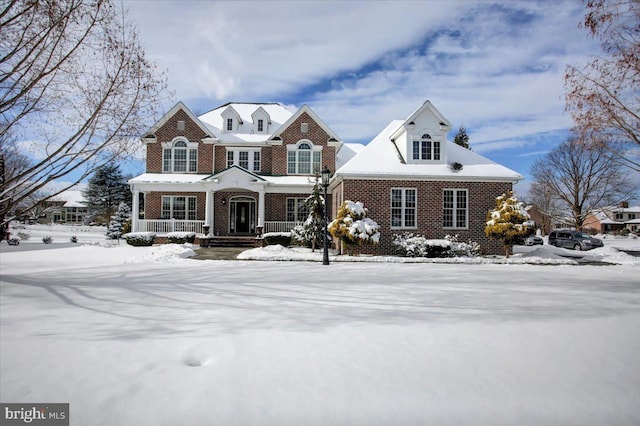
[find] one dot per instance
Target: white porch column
(208, 210)
(135, 211)
(261, 208)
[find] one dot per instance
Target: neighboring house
(612, 220)
(245, 169)
(66, 207)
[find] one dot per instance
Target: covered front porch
(234, 202)
(165, 226)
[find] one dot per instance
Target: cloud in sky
(495, 67)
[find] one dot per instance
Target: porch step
(227, 241)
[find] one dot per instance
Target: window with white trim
(247, 159)
(424, 148)
(455, 208)
(178, 207)
(304, 158)
(260, 125)
(180, 157)
(403, 207)
(297, 210)
(229, 124)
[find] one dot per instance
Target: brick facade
(168, 131)
(375, 195)
(293, 134)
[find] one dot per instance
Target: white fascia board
(180, 105)
(432, 178)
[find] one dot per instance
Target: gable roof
(234, 169)
(380, 159)
(427, 105)
(150, 134)
(305, 108)
(71, 198)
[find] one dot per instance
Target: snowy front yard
(143, 336)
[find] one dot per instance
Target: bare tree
(583, 177)
(546, 204)
(75, 86)
(604, 96)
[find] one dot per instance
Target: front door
(242, 216)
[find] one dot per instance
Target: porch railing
(164, 226)
(275, 226)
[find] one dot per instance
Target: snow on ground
(145, 336)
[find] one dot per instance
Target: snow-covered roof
(347, 152)
(167, 178)
(71, 198)
(245, 132)
(178, 178)
(380, 158)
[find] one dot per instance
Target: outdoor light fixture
(326, 174)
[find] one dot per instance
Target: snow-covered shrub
(24, 235)
(458, 248)
(13, 241)
(181, 237)
(277, 238)
(353, 227)
(47, 239)
(411, 245)
(140, 239)
(74, 239)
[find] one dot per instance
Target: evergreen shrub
(181, 237)
(140, 239)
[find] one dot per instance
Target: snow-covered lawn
(145, 336)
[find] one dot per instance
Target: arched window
(304, 158)
(426, 149)
(180, 157)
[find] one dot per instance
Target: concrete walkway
(218, 253)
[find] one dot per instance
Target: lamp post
(326, 174)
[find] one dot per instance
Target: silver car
(575, 240)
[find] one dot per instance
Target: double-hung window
(455, 208)
(304, 159)
(403, 208)
(297, 210)
(178, 207)
(180, 157)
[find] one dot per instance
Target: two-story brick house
(246, 168)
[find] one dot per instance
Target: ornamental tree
(311, 232)
(508, 222)
(353, 227)
(119, 222)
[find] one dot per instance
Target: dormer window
(229, 124)
(261, 120)
(424, 148)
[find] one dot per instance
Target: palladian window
(181, 157)
(304, 159)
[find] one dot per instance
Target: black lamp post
(326, 174)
